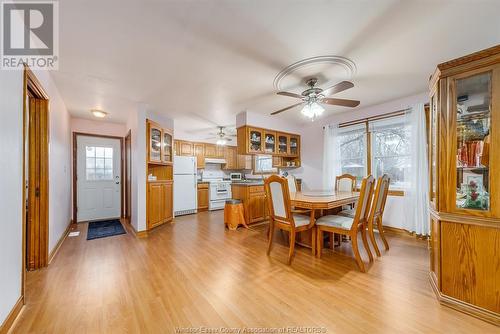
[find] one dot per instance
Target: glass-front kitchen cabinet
(160, 144)
(464, 190)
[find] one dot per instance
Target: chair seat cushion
(347, 213)
(335, 221)
(301, 220)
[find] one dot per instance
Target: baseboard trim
(60, 242)
(11, 318)
(456, 304)
(140, 234)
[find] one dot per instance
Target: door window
(99, 165)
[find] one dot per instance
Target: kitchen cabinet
(210, 151)
(250, 140)
(269, 142)
(276, 161)
(464, 190)
(287, 146)
(231, 158)
(254, 202)
(244, 161)
(160, 203)
(202, 197)
(199, 152)
(294, 146)
(155, 139)
(283, 144)
(167, 146)
(220, 151)
(159, 164)
(186, 148)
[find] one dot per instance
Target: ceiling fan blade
(340, 87)
(227, 139)
(340, 102)
(290, 95)
(285, 109)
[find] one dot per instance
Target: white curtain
(331, 156)
(416, 199)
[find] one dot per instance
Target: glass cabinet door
(473, 122)
(282, 144)
(167, 147)
(255, 140)
(155, 144)
(270, 142)
(294, 146)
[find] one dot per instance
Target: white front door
(98, 178)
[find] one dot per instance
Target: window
(99, 165)
(390, 151)
(264, 164)
(352, 141)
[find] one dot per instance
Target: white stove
(219, 189)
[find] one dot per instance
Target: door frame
(32, 88)
(128, 171)
(75, 165)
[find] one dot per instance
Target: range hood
(215, 161)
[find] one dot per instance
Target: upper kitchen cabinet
(199, 152)
(168, 149)
(210, 151)
(464, 192)
(294, 145)
(159, 144)
(269, 142)
(186, 148)
(283, 144)
(253, 140)
(231, 158)
(250, 140)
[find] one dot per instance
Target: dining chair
(345, 182)
(377, 211)
(281, 215)
(350, 226)
(292, 183)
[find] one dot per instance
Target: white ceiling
(202, 62)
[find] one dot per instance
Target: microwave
(235, 176)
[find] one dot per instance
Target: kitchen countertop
(248, 183)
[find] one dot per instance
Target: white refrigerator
(185, 185)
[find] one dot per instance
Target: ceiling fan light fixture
(312, 110)
(221, 142)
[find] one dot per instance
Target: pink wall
(98, 127)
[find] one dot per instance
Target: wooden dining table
(317, 202)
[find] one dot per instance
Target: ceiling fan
(313, 97)
(222, 136)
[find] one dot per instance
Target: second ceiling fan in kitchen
(313, 97)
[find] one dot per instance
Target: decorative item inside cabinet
(283, 142)
(269, 142)
(255, 139)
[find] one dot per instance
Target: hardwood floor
(196, 273)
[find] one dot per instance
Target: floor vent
(74, 234)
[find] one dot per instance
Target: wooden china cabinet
(464, 159)
(159, 179)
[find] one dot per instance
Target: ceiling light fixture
(98, 113)
(221, 142)
(312, 110)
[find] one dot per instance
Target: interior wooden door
(128, 176)
(38, 176)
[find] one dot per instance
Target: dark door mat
(103, 229)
